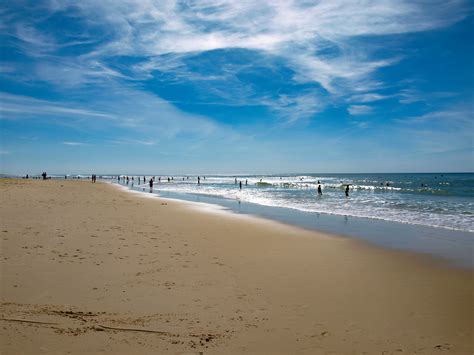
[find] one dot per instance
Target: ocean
(444, 200)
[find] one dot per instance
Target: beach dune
(90, 268)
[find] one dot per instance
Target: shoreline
(449, 246)
(89, 256)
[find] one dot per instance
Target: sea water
(444, 200)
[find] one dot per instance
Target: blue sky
(217, 86)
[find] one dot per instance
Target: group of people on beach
(127, 179)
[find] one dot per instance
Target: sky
(224, 86)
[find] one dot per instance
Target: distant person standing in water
(347, 191)
(151, 185)
(245, 182)
(240, 185)
(320, 192)
(199, 180)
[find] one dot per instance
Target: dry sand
(89, 258)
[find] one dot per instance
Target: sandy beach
(91, 268)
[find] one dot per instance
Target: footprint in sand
(445, 346)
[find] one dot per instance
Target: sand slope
(119, 273)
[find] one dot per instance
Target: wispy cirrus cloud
(297, 107)
(358, 110)
(74, 143)
(34, 42)
(368, 97)
(410, 95)
(435, 132)
(459, 115)
(19, 106)
(133, 141)
(137, 112)
(316, 41)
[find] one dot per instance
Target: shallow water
(436, 200)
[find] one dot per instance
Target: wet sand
(108, 271)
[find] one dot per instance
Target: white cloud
(74, 143)
(453, 116)
(316, 40)
(133, 141)
(362, 124)
(409, 96)
(297, 107)
(137, 112)
(441, 131)
(358, 110)
(17, 106)
(34, 42)
(283, 28)
(369, 97)
(77, 72)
